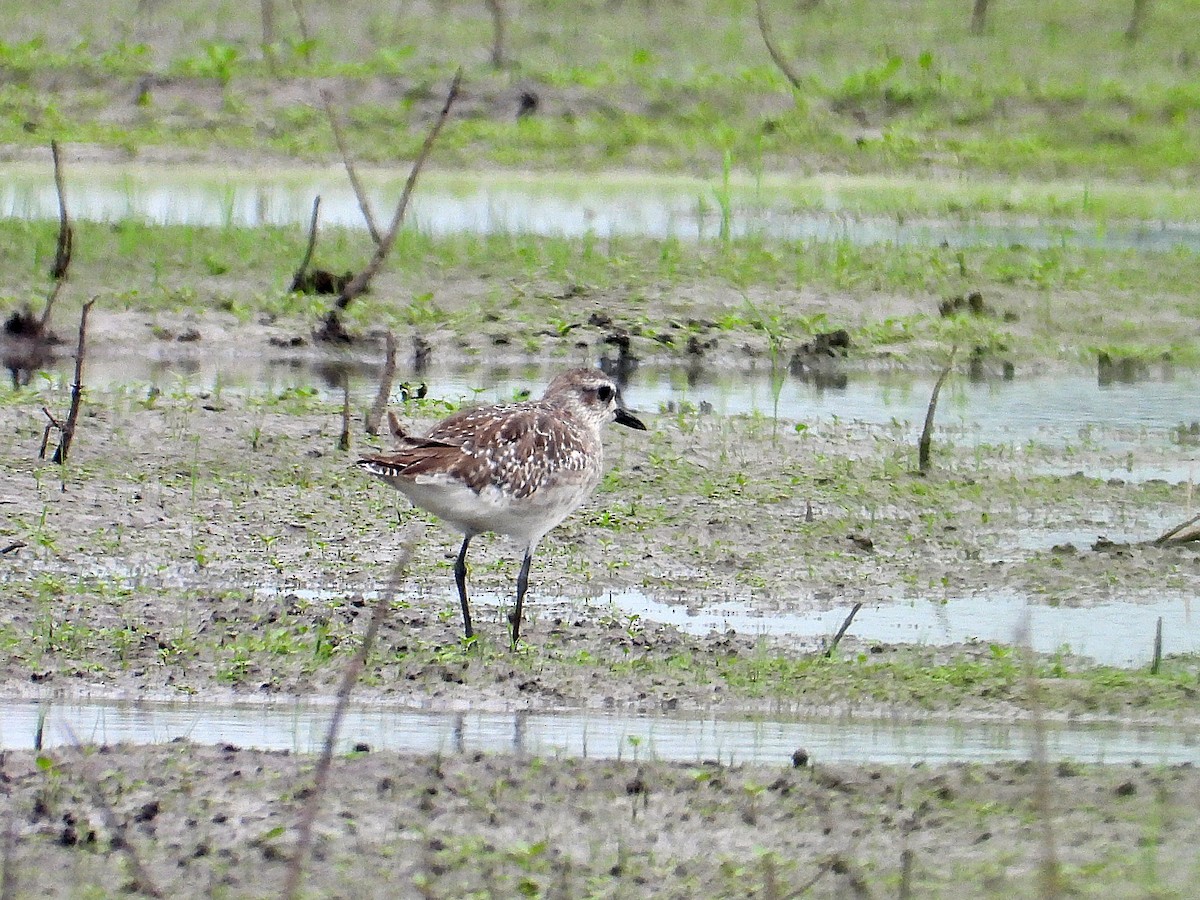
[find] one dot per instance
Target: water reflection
(196, 196)
(301, 727)
(1062, 408)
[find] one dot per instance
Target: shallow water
(684, 210)
(302, 728)
(1057, 411)
(1116, 634)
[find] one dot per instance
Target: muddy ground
(215, 543)
(218, 821)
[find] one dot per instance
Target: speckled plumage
(517, 469)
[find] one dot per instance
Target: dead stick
(764, 28)
(927, 431)
(53, 423)
(497, 12)
(12, 548)
(386, 377)
(1170, 534)
(360, 282)
(339, 138)
(308, 814)
(1157, 662)
(8, 865)
(144, 884)
(62, 253)
(842, 631)
(344, 440)
(298, 278)
(68, 430)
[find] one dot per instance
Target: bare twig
(67, 431)
(359, 284)
(344, 440)
(143, 883)
(1156, 663)
(298, 278)
(267, 14)
(8, 865)
(1137, 21)
(842, 631)
(339, 138)
(768, 37)
(927, 431)
(308, 815)
(66, 234)
(386, 377)
(497, 11)
(13, 547)
(62, 254)
(1187, 531)
(979, 16)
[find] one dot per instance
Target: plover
(516, 469)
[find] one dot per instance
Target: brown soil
(178, 553)
(218, 821)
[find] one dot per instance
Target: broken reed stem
(344, 440)
(1174, 534)
(1156, 664)
(66, 238)
(764, 28)
(119, 840)
(298, 278)
(927, 431)
(67, 431)
(1049, 871)
(360, 282)
(386, 377)
(497, 12)
(979, 16)
(906, 867)
(308, 815)
(339, 138)
(842, 631)
(8, 866)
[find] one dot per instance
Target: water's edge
(301, 728)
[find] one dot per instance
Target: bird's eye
(604, 392)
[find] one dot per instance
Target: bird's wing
(513, 447)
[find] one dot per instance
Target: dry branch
(339, 138)
(1181, 534)
(344, 441)
(842, 631)
(1137, 20)
(768, 37)
(332, 329)
(302, 271)
(66, 234)
(386, 377)
(979, 16)
(497, 11)
(67, 430)
(927, 431)
(308, 815)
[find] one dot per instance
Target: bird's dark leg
(460, 578)
(522, 583)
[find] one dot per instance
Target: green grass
(1061, 302)
(1045, 92)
